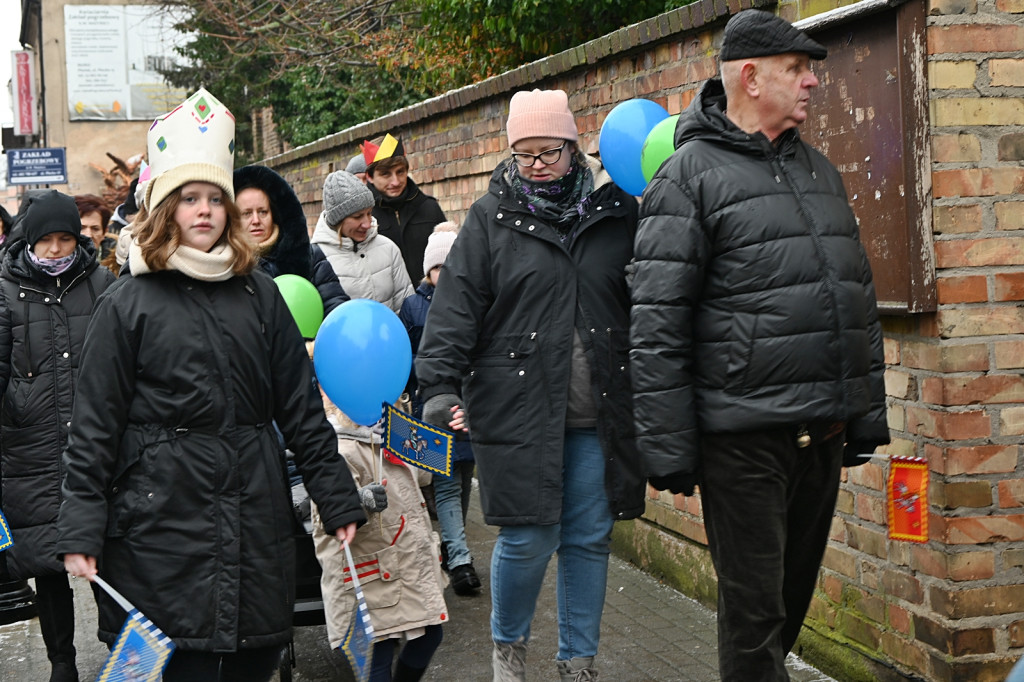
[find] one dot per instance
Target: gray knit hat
(357, 164)
(344, 194)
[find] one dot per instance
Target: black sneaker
(464, 580)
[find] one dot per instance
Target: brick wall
(951, 609)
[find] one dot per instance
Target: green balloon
(303, 301)
(658, 146)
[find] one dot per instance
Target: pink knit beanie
(540, 113)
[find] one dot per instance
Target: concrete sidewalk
(650, 632)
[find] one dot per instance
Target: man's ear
(749, 80)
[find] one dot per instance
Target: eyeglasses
(547, 157)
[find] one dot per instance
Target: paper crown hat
(385, 150)
(193, 143)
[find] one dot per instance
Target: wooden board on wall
(865, 118)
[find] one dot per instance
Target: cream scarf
(212, 266)
(269, 242)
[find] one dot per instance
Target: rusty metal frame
(898, 237)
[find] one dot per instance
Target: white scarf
(215, 265)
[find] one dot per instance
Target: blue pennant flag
(358, 643)
(6, 540)
(418, 443)
(141, 651)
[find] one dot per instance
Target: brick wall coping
(696, 15)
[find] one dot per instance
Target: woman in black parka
(175, 487)
(49, 283)
(528, 332)
(273, 216)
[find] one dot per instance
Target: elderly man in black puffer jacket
(756, 346)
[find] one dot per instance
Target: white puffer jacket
(371, 269)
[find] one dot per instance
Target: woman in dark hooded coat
(49, 282)
(273, 216)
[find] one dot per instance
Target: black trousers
(245, 665)
(768, 507)
(55, 605)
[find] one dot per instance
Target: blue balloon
(622, 141)
(362, 358)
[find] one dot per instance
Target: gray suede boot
(509, 661)
(577, 670)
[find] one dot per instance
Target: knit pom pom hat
(344, 194)
(439, 243)
(193, 143)
(540, 113)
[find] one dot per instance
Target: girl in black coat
(49, 283)
(176, 487)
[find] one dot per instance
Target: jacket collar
(17, 265)
(410, 192)
(705, 119)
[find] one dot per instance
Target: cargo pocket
(378, 573)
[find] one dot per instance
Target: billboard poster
(114, 55)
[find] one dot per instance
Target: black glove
(677, 483)
(438, 410)
(373, 497)
(853, 451)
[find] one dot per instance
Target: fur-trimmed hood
(291, 254)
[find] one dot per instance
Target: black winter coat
(500, 335)
(408, 220)
(175, 478)
(292, 254)
(753, 303)
(42, 329)
(414, 316)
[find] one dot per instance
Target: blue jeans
(1017, 674)
(451, 495)
(521, 555)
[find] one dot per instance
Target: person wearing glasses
(526, 348)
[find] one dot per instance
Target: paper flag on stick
(358, 643)
(141, 651)
(418, 443)
(6, 540)
(907, 492)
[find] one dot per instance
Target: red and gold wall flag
(907, 493)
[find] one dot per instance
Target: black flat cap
(756, 33)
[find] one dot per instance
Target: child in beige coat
(397, 556)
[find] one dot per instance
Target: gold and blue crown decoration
(417, 443)
(6, 539)
(358, 642)
(141, 651)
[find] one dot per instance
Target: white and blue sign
(43, 166)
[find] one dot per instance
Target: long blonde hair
(159, 235)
